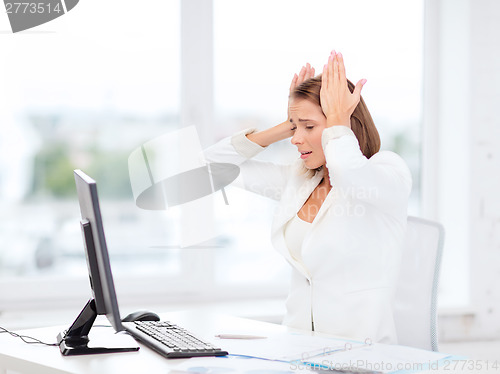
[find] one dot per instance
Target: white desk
(17, 356)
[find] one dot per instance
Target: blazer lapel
(293, 200)
(295, 196)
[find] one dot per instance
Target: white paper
(302, 351)
(380, 358)
(285, 347)
(230, 365)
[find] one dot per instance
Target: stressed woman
(342, 210)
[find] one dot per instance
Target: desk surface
(35, 358)
(20, 357)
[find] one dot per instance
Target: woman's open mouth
(304, 155)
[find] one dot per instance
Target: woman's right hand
(283, 130)
(305, 73)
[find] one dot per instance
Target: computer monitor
(75, 340)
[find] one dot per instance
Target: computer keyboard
(176, 342)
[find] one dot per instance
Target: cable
(25, 338)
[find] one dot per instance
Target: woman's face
(308, 122)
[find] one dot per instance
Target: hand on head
(321, 100)
(305, 73)
(337, 101)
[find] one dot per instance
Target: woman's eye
(309, 127)
(294, 128)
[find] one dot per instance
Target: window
(83, 97)
(259, 45)
(86, 95)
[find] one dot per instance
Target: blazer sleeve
(383, 180)
(262, 177)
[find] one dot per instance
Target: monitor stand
(75, 340)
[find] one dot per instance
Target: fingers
(337, 102)
(302, 74)
(294, 82)
(324, 77)
(305, 73)
(335, 64)
(332, 76)
(309, 71)
(335, 72)
(358, 88)
(341, 68)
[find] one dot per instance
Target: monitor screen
(101, 278)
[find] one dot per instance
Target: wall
(462, 160)
(484, 244)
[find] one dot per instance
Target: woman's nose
(296, 138)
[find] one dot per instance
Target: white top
(295, 232)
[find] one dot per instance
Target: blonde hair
(361, 120)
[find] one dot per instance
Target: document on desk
(286, 346)
(230, 365)
(380, 358)
(335, 354)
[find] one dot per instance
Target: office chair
(415, 305)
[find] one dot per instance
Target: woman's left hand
(337, 101)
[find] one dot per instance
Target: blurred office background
(87, 89)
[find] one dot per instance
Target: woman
(343, 206)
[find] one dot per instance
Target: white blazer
(344, 284)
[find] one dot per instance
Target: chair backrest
(415, 303)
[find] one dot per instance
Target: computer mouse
(141, 315)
